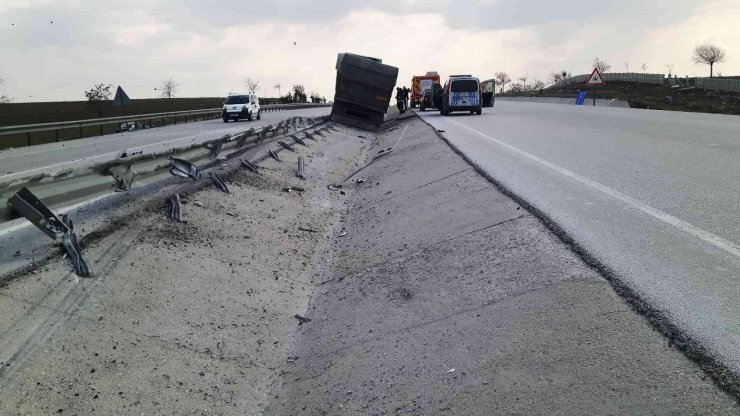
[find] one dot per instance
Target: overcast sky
(210, 47)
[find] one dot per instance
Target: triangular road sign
(595, 78)
(121, 99)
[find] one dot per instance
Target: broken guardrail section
(35, 211)
(273, 154)
(220, 184)
(286, 146)
(251, 166)
(174, 208)
(299, 172)
(181, 167)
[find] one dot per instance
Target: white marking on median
(682, 225)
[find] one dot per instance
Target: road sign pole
(594, 96)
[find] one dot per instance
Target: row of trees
(100, 93)
(297, 94)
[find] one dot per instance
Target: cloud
(209, 50)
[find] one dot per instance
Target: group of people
(402, 98)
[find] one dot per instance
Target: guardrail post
(101, 130)
(56, 134)
(174, 119)
(80, 132)
(28, 138)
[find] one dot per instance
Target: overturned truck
(363, 91)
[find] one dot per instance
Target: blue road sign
(581, 98)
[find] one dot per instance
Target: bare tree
(537, 85)
(277, 87)
(670, 69)
(4, 99)
(516, 88)
(299, 94)
(252, 85)
(627, 66)
(502, 78)
(602, 66)
(98, 95)
(523, 79)
(710, 55)
(167, 90)
(643, 67)
(560, 78)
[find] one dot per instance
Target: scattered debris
(124, 176)
(452, 370)
(286, 189)
(309, 230)
(251, 166)
(174, 208)
(358, 180)
(301, 319)
(231, 214)
(300, 173)
(297, 188)
(441, 131)
(343, 233)
(198, 204)
(220, 184)
(273, 155)
(333, 187)
(286, 146)
(181, 167)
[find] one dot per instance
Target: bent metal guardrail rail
(71, 186)
(27, 129)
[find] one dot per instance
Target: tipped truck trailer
(419, 84)
(363, 91)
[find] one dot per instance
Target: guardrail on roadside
(70, 186)
(206, 114)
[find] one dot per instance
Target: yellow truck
(421, 83)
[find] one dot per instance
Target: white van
(241, 105)
(461, 93)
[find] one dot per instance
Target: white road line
(682, 225)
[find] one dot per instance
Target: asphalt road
(653, 195)
(54, 157)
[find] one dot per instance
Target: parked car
(241, 105)
(461, 93)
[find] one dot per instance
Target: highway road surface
(54, 157)
(653, 195)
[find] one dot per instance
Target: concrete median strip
(424, 290)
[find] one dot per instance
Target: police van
(461, 93)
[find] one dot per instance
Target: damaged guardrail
(72, 186)
(173, 116)
(30, 206)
